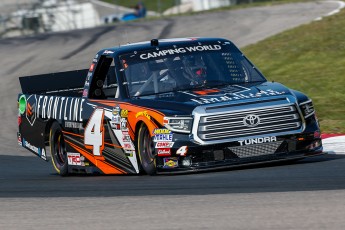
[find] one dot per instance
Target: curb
(334, 143)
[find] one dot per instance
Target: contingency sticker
(170, 162)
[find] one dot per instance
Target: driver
(194, 69)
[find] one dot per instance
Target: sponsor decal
(85, 92)
(116, 119)
(171, 162)
(66, 108)
(163, 152)
(143, 113)
(127, 146)
(74, 125)
(124, 124)
(115, 125)
(31, 104)
(125, 132)
(19, 120)
(124, 113)
(164, 144)
(108, 52)
(86, 84)
(40, 152)
(92, 66)
(161, 131)
(22, 104)
(251, 120)
(235, 96)
(95, 60)
(257, 140)
(89, 75)
(163, 137)
(126, 138)
(190, 49)
(116, 110)
(129, 153)
(19, 139)
(74, 159)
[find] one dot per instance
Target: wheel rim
(148, 148)
(59, 150)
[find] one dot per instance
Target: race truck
(164, 106)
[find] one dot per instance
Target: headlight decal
(307, 108)
(178, 124)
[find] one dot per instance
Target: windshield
(184, 68)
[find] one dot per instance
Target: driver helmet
(195, 69)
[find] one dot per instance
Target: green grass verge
(310, 59)
(152, 5)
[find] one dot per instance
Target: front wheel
(58, 149)
(146, 150)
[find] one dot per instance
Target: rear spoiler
(54, 82)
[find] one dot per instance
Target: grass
(152, 5)
(161, 5)
(310, 59)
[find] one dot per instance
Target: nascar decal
(180, 50)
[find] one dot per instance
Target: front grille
(229, 125)
(256, 150)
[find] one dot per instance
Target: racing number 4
(94, 132)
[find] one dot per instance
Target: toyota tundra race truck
(164, 106)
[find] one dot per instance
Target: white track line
(341, 6)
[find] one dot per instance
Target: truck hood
(184, 102)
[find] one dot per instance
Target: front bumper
(227, 155)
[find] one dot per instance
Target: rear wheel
(58, 149)
(146, 150)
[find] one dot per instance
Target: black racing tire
(146, 150)
(58, 150)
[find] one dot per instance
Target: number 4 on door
(94, 132)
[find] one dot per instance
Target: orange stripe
(73, 134)
(105, 167)
(117, 146)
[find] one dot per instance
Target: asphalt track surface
(308, 194)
